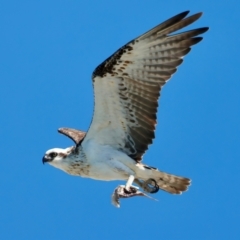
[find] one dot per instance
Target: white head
(58, 157)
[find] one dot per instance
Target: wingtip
(200, 13)
(197, 15)
(60, 130)
(206, 29)
(184, 14)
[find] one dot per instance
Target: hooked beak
(46, 159)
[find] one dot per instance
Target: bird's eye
(53, 155)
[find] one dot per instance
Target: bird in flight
(127, 86)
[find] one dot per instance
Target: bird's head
(57, 156)
(62, 158)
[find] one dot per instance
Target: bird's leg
(129, 182)
(126, 191)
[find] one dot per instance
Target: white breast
(105, 162)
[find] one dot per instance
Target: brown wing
(76, 135)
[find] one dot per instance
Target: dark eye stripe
(53, 155)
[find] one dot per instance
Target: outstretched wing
(127, 85)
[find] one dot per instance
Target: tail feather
(167, 182)
(171, 183)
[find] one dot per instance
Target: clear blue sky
(48, 50)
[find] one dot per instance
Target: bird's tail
(167, 182)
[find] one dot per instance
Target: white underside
(107, 163)
(102, 162)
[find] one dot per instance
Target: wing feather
(127, 85)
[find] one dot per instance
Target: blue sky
(48, 50)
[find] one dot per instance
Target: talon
(150, 186)
(131, 190)
(122, 192)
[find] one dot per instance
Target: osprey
(126, 88)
